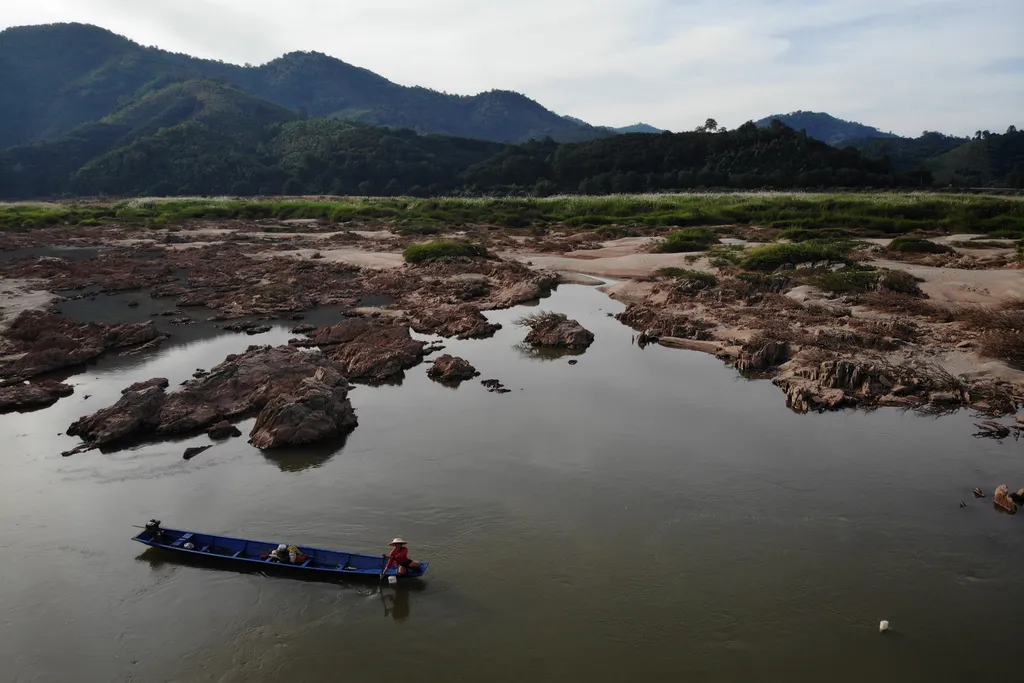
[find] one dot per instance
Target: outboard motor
(153, 527)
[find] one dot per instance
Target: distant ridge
(825, 127)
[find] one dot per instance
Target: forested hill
(203, 137)
(825, 127)
(56, 77)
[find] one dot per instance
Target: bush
(1006, 345)
(613, 232)
(691, 239)
(847, 281)
(918, 245)
(773, 256)
(684, 274)
(419, 253)
(899, 281)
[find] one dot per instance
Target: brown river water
(643, 514)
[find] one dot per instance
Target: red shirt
(400, 555)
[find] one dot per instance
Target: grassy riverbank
(862, 213)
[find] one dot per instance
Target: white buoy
(883, 626)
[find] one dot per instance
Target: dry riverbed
(943, 341)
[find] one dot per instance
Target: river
(640, 515)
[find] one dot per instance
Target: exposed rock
(35, 395)
(760, 354)
(223, 430)
(1002, 499)
(659, 323)
(538, 287)
(303, 329)
(556, 330)
(573, 362)
(148, 346)
(369, 351)
(451, 369)
(315, 411)
(195, 450)
(945, 397)
(161, 382)
(48, 342)
(495, 387)
(135, 413)
(462, 321)
(992, 430)
(240, 386)
(249, 327)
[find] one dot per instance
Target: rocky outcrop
(41, 342)
(35, 395)
(161, 382)
(369, 351)
(556, 330)
(761, 354)
(837, 383)
(1002, 499)
(194, 451)
(451, 370)
(136, 413)
(315, 411)
(240, 386)
(461, 321)
(223, 430)
(660, 323)
(534, 285)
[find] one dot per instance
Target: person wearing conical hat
(399, 556)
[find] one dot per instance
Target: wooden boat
(255, 554)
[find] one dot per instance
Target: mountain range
(85, 111)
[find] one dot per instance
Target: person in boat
(287, 554)
(153, 527)
(399, 557)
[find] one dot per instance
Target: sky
(901, 65)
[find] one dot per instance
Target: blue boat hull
(321, 563)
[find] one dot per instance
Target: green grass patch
(439, 249)
(688, 240)
(849, 280)
(686, 274)
(811, 215)
(773, 256)
(918, 245)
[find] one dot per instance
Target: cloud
(901, 65)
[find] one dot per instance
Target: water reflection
(309, 457)
(396, 598)
(545, 353)
(69, 252)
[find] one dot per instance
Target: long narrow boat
(254, 554)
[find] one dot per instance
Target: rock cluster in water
(35, 395)
(284, 379)
(557, 331)
(367, 350)
(38, 342)
(451, 370)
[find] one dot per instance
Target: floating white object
(392, 579)
(883, 626)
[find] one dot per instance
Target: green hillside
(57, 77)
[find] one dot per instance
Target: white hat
(282, 547)
(398, 541)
